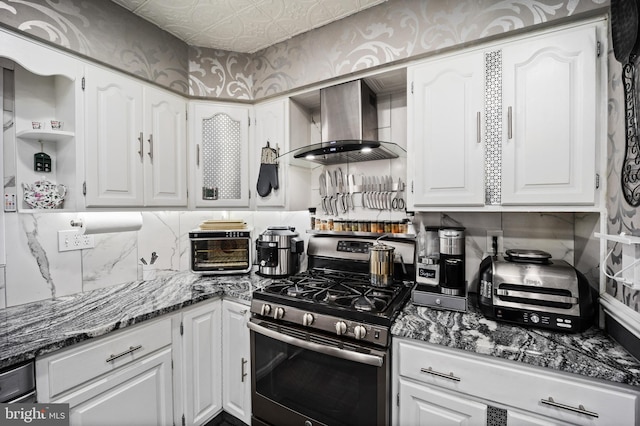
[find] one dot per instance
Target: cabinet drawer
(78, 365)
(518, 385)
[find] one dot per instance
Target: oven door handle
(374, 360)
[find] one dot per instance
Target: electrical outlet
(73, 240)
(494, 233)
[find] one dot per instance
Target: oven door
(226, 255)
(302, 378)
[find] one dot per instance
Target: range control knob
(534, 318)
(307, 319)
(360, 332)
(341, 328)
(278, 313)
(265, 310)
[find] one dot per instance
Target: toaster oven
(220, 251)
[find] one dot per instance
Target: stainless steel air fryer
(278, 252)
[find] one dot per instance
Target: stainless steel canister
(381, 258)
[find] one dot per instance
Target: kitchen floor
(224, 419)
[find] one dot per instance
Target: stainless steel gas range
(320, 339)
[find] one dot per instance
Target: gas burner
(364, 303)
(296, 291)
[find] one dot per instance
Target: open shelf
(45, 135)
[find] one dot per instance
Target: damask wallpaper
(622, 217)
(397, 30)
(105, 32)
(394, 31)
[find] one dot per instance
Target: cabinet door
(166, 149)
(220, 144)
(236, 380)
(549, 102)
(136, 395)
(523, 418)
(271, 127)
(201, 357)
(114, 151)
(427, 405)
(445, 149)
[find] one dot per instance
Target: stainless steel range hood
(349, 124)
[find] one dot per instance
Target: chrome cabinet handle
(510, 123)
(150, 147)
(580, 408)
(449, 376)
(127, 352)
(141, 149)
(242, 372)
(478, 127)
(198, 155)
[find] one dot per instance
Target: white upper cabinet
(549, 102)
(166, 155)
(271, 128)
(114, 151)
(513, 123)
(446, 104)
(136, 149)
(219, 159)
(282, 123)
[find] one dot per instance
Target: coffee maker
(452, 280)
(440, 269)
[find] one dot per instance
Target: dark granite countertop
(35, 329)
(38, 328)
(591, 353)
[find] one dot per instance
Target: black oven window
(327, 389)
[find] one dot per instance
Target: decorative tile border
(493, 127)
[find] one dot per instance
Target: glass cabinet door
(221, 155)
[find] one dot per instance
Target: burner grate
(334, 288)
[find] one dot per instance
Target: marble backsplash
(36, 270)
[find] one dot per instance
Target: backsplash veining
(36, 270)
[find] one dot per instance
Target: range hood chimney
(349, 125)
(348, 111)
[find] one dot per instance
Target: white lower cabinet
(197, 363)
(236, 355)
(123, 379)
(137, 395)
(438, 385)
(427, 405)
(180, 369)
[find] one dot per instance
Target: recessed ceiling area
(245, 26)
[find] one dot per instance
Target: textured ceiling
(242, 25)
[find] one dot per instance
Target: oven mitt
(268, 175)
